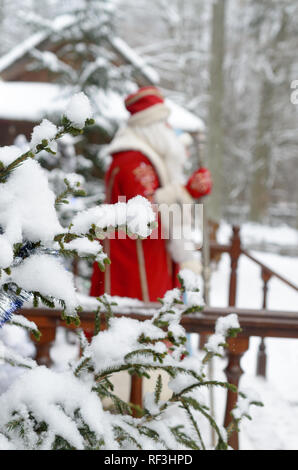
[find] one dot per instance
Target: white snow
(12, 357)
(124, 304)
(215, 344)
(265, 237)
(109, 347)
(181, 382)
(27, 205)
(21, 49)
(20, 320)
(224, 324)
(139, 214)
(9, 153)
(193, 299)
(44, 393)
(131, 56)
(78, 110)
(74, 179)
(46, 274)
(17, 339)
(150, 405)
(170, 297)
(136, 214)
(32, 101)
(6, 252)
(46, 130)
(33, 41)
(275, 425)
(192, 281)
(181, 118)
(84, 247)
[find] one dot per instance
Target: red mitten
(200, 183)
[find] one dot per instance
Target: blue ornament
(10, 302)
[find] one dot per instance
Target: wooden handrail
(228, 248)
(253, 323)
(271, 271)
(269, 323)
(235, 250)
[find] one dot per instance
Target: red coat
(139, 269)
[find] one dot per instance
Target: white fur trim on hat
(157, 112)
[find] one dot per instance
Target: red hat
(146, 106)
(144, 98)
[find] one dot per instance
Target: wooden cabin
(27, 94)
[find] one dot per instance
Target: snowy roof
(31, 101)
(33, 41)
(63, 22)
(26, 101)
(133, 58)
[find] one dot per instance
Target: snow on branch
(39, 414)
(32, 240)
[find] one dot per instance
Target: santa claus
(147, 160)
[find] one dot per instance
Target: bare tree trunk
(215, 146)
(2, 14)
(260, 193)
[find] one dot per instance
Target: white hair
(167, 145)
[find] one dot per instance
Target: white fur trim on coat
(126, 140)
(172, 193)
(168, 193)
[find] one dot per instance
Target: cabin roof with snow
(31, 101)
(27, 96)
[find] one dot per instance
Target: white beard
(167, 145)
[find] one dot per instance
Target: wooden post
(266, 276)
(235, 253)
(262, 359)
(136, 392)
(237, 347)
(43, 346)
(262, 355)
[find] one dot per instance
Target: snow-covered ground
(279, 239)
(276, 425)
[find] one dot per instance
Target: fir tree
(45, 409)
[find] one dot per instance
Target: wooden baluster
(136, 392)
(262, 356)
(235, 253)
(203, 338)
(266, 276)
(237, 347)
(262, 359)
(43, 346)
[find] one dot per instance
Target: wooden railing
(235, 250)
(263, 323)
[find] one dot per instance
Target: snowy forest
(115, 333)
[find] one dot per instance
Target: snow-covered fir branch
(46, 409)
(32, 239)
(53, 419)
